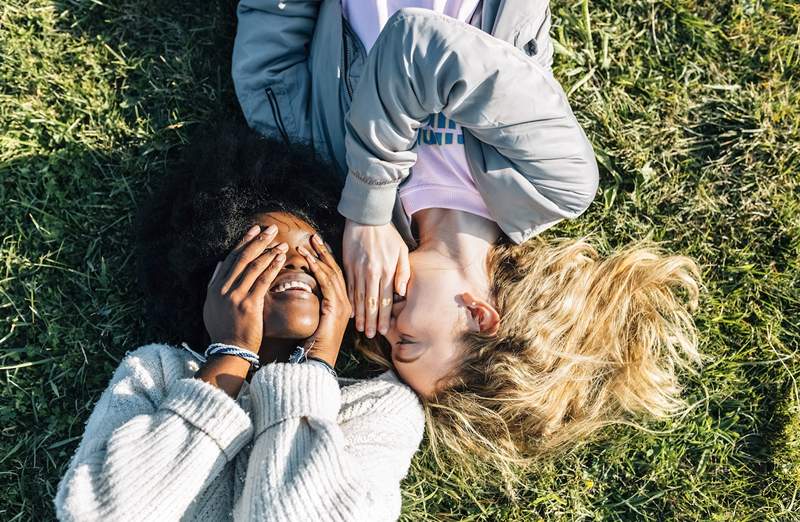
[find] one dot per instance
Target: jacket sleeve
(305, 466)
(270, 65)
(425, 63)
(152, 444)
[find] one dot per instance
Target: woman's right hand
(234, 308)
(376, 263)
(335, 308)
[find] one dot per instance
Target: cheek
(418, 376)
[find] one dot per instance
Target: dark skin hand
(234, 307)
(239, 292)
(336, 309)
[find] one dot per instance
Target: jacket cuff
(366, 203)
(211, 411)
(284, 391)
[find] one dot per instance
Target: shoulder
(154, 366)
(386, 398)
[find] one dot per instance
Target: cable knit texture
(295, 445)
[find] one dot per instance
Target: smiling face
(294, 301)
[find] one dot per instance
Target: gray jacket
(301, 73)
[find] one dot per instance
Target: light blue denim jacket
(302, 74)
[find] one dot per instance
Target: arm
(305, 467)
(269, 66)
(425, 63)
(145, 425)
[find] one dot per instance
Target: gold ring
(387, 301)
(372, 304)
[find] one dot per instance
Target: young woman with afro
(233, 255)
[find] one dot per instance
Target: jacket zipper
(276, 114)
(346, 57)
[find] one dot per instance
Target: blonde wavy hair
(584, 341)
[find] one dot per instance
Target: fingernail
(318, 239)
(283, 247)
(280, 258)
(370, 333)
(255, 229)
(271, 229)
(402, 291)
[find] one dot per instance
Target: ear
(483, 317)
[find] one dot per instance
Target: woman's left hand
(336, 309)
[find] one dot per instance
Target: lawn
(693, 109)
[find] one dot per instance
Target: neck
(276, 350)
(461, 237)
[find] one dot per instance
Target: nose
(295, 261)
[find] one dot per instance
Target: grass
(694, 111)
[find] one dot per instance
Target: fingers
(322, 273)
(371, 312)
(326, 256)
(264, 280)
(385, 305)
(403, 273)
(257, 268)
(235, 251)
(351, 294)
(247, 253)
(360, 290)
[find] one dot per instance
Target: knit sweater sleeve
(155, 440)
(307, 466)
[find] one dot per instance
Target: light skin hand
(376, 262)
(234, 308)
(336, 310)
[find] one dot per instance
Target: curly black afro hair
(207, 203)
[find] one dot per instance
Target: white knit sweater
(162, 446)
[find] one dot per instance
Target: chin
(291, 322)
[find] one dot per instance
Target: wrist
(232, 341)
(324, 355)
(226, 372)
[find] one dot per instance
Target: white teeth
(290, 285)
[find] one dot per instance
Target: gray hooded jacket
(302, 74)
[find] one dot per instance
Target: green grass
(694, 110)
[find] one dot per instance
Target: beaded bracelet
(228, 349)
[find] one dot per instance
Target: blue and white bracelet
(229, 349)
(300, 355)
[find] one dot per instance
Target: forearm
(294, 465)
(225, 372)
